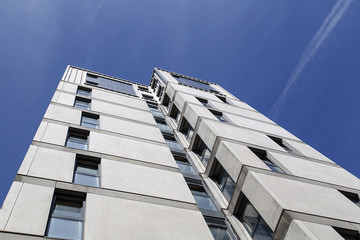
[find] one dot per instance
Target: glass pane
(87, 170)
(81, 104)
(206, 157)
(263, 231)
(83, 92)
(205, 203)
(86, 180)
(78, 145)
(250, 217)
(89, 120)
(220, 233)
(65, 229)
(190, 134)
(229, 188)
(156, 113)
(89, 125)
(66, 209)
(186, 168)
(173, 145)
(164, 127)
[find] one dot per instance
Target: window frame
(221, 177)
(187, 130)
(81, 90)
(219, 116)
(77, 134)
(200, 149)
(262, 155)
(79, 100)
(89, 124)
(204, 102)
(84, 160)
(175, 113)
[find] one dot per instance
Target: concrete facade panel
(65, 114)
(25, 165)
(192, 91)
(144, 180)
(31, 210)
(323, 231)
(55, 134)
(119, 99)
(69, 87)
(9, 203)
(193, 112)
(66, 99)
(121, 111)
(40, 131)
(298, 230)
(130, 128)
(139, 221)
(317, 171)
(129, 148)
(239, 103)
(310, 199)
(53, 164)
(308, 151)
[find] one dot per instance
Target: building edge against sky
(179, 159)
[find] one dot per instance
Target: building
(179, 159)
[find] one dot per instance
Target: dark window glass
(167, 101)
(113, 85)
(87, 171)
(159, 91)
(144, 89)
(90, 120)
(203, 102)
(202, 199)
(223, 180)
(82, 103)
(222, 98)
(253, 222)
(348, 234)
(66, 218)
(147, 97)
(77, 139)
(202, 151)
(173, 144)
(194, 83)
(263, 156)
(187, 130)
(163, 126)
(184, 165)
(218, 115)
(280, 142)
(220, 233)
(175, 114)
(84, 91)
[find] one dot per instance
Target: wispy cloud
(311, 49)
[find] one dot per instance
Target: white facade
(107, 163)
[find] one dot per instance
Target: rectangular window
(87, 171)
(354, 197)
(187, 130)
(83, 103)
(184, 165)
(144, 89)
(166, 101)
(218, 115)
(159, 91)
(147, 97)
(202, 151)
(84, 91)
(221, 232)
(202, 198)
(173, 144)
(92, 79)
(222, 98)
(263, 156)
(223, 180)
(175, 114)
(281, 143)
(110, 84)
(203, 102)
(67, 216)
(163, 126)
(77, 139)
(253, 222)
(90, 120)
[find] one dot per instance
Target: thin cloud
(311, 49)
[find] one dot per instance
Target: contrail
(311, 49)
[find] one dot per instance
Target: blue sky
(297, 62)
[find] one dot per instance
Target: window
(202, 151)
(175, 114)
(163, 126)
(173, 144)
(223, 180)
(87, 171)
(252, 221)
(221, 233)
(84, 91)
(222, 98)
(144, 89)
(263, 156)
(110, 84)
(147, 97)
(348, 234)
(83, 103)
(201, 197)
(92, 79)
(77, 139)
(167, 101)
(184, 165)
(354, 197)
(218, 115)
(187, 130)
(67, 216)
(159, 91)
(281, 143)
(203, 102)
(194, 83)
(90, 120)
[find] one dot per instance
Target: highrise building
(179, 159)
